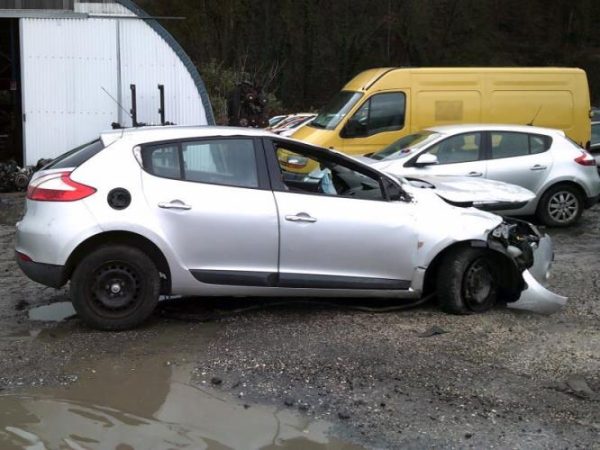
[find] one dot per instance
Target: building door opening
(11, 126)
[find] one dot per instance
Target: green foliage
(318, 45)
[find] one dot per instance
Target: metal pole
(133, 105)
(161, 110)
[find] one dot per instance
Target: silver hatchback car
(561, 174)
(210, 211)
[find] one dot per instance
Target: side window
(510, 145)
(325, 177)
(458, 149)
(162, 160)
(229, 161)
(382, 112)
(596, 135)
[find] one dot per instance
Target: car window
(220, 161)
(331, 115)
(228, 161)
(596, 134)
(162, 161)
(458, 149)
(404, 145)
(382, 112)
(509, 145)
(77, 156)
(326, 177)
(505, 144)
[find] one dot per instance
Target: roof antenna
(535, 117)
(119, 105)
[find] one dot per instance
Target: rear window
(77, 156)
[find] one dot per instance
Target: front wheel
(465, 282)
(115, 288)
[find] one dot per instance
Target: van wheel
(560, 206)
(115, 288)
(465, 282)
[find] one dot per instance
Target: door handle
(475, 174)
(301, 217)
(174, 204)
(537, 167)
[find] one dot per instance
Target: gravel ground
(505, 379)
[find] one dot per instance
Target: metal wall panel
(147, 61)
(65, 63)
(107, 7)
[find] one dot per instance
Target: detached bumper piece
(536, 298)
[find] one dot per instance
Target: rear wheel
(560, 206)
(115, 288)
(465, 282)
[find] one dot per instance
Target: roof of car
(173, 132)
(463, 128)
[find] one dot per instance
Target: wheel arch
(127, 238)
(509, 278)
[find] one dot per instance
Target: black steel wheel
(115, 288)
(465, 282)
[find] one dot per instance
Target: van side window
(382, 112)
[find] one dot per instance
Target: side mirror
(426, 159)
(354, 128)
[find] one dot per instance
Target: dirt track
(505, 379)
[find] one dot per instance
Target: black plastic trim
(235, 277)
(294, 280)
(46, 274)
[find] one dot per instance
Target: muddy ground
(307, 374)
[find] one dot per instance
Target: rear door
(519, 158)
(215, 208)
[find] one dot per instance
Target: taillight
(23, 257)
(585, 159)
(58, 187)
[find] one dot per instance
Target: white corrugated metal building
(77, 60)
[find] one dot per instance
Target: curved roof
(187, 62)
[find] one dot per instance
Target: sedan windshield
(336, 110)
(413, 141)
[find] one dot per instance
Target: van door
(381, 119)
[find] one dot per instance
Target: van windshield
(412, 141)
(336, 110)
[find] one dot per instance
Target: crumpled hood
(478, 192)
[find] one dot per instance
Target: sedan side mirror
(426, 159)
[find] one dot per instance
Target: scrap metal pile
(247, 106)
(14, 178)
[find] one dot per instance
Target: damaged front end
(532, 254)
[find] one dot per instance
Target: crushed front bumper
(536, 297)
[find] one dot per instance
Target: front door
(337, 229)
(215, 208)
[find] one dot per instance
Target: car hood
(481, 193)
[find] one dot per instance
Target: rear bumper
(46, 274)
(591, 201)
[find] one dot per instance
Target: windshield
(394, 150)
(332, 114)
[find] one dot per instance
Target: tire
(115, 287)
(560, 206)
(465, 282)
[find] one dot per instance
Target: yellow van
(379, 106)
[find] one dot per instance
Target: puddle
(56, 312)
(127, 406)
